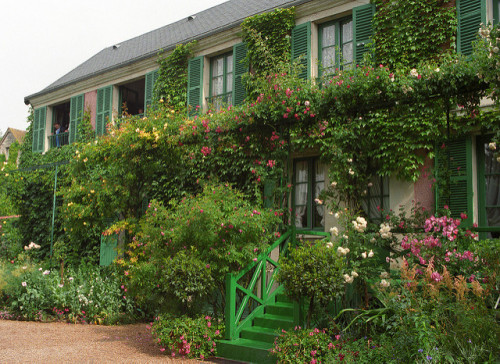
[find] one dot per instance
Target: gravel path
(35, 342)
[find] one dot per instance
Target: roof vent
(192, 17)
(116, 46)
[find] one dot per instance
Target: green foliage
(192, 245)
(10, 239)
(313, 272)
(406, 35)
(89, 294)
(302, 346)
(267, 37)
(187, 337)
(171, 85)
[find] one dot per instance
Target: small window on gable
(131, 100)
(308, 182)
(59, 134)
(335, 49)
(221, 80)
(376, 199)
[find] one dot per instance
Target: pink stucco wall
(91, 103)
(423, 187)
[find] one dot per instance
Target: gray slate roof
(203, 24)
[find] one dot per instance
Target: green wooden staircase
(257, 308)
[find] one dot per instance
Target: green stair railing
(262, 278)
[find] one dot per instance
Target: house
(11, 135)
(123, 75)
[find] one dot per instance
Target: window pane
(218, 67)
(319, 171)
(229, 82)
(347, 53)
(217, 85)
(347, 32)
(328, 36)
(229, 63)
(328, 59)
(301, 172)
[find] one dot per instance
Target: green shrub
(302, 346)
(189, 248)
(188, 337)
(313, 272)
(88, 294)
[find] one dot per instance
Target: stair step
(260, 333)
(273, 321)
(245, 350)
(281, 297)
(280, 308)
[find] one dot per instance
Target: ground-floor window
(308, 182)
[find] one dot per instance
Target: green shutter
(460, 195)
(109, 244)
(363, 31)
(75, 116)
(470, 14)
(496, 11)
(301, 46)
(151, 78)
(39, 130)
(195, 84)
(240, 68)
(104, 104)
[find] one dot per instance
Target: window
(335, 45)
(221, 80)
(488, 182)
(376, 199)
(60, 125)
(131, 100)
(308, 182)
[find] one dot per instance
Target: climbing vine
(418, 31)
(171, 85)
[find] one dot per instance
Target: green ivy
(171, 85)
(418, 31)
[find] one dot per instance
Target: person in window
(58, 130)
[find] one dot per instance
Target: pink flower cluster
(446, 225)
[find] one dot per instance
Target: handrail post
(263, 281)
(230, 306)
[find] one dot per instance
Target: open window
(132, 98)
(308, 182)
(59, 134)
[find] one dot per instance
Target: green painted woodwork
(301, 48)
(253, 316)
(484, 175)
(470, 14)
(75, 116)
(40, 117)
(460, 179)
(109, 244)
(104, 109)
(195, 84)
(150, 81)
(363, 30)
(240, 68)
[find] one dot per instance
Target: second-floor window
(335, 48)
(221, 80)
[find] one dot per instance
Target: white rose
(354, 274)
(348, 279)
(329, 244)
(492, 146)
(384, 283)
(384, 275)
(334, 231)
(370, 254)
(363, 255)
